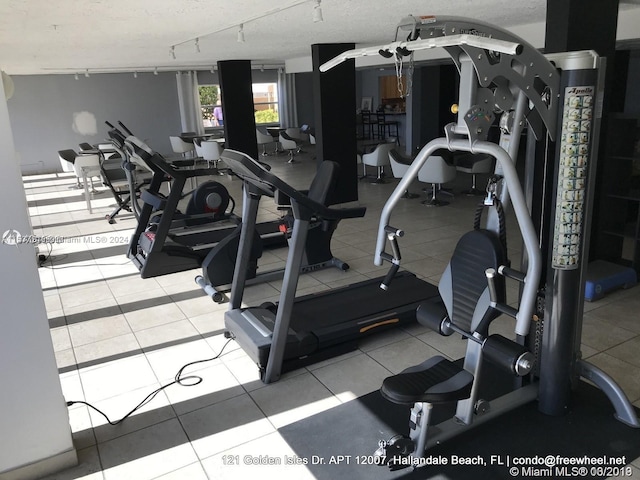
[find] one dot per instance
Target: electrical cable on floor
(187, 381)
(43, 258)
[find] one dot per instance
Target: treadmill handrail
(159, 164)
(251, 171)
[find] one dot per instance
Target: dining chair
(87, 166)
(290, 144)
(379, 158)
(399, 166)
(436, 171)
(180, 146)
(474, 164)
(197, 143)
(264, 139)
(211, 152)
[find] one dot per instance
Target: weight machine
(558, 97)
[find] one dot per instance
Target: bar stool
(385, 127)
(367, 124)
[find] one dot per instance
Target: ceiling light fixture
(172, 52)
(258, 15)
(77, 77)
(86, 73)
(135, 74)
(213, 69)
(197, 45)
(262, 68)
(317, 12)
(155, 71)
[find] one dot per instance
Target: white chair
(474, 164)
(180, 146)
(211, 152)
(289, 144)
(87, 167)
(379, 158)
(197, 143)
(399, 166)
(436, 171)
(67, 158)
(264, 139)
(297, 134)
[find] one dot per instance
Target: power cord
(187, 381)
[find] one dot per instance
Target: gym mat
(339, 443)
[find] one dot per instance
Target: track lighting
(213, 69)
(86, 73)
(172, 52)
(197, 45)
(262, 68)
(135, 74)
(77, 77)
(317, 12)
(241, 33)
(155, 71)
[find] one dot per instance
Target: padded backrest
(263, 137)
(287, 142)
(399, 165)
(379, 157)
(436, 170)
(463, 286)
(324, 182)
(211, 150)
(68, 155)
(180, 146)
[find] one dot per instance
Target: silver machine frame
(501, 73)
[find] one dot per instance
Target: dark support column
(237, 106)
(334, 97)
(435, 89)
(571, 26)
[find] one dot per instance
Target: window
(209, 97)
(265, 102)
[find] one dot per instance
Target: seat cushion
(437, 380)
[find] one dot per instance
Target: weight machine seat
(436, 380)
(464, 292)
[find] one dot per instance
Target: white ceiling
(68, 36)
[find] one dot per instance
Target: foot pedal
(391, 452)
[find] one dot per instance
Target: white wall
(34, 422)
(43, 107)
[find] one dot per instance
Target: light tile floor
(118, 337)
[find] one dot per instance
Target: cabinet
(619, 239)
(390, 99)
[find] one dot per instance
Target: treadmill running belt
(319, 311)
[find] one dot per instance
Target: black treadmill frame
(247, 325)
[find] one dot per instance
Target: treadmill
(179, 244)
(301, 331)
